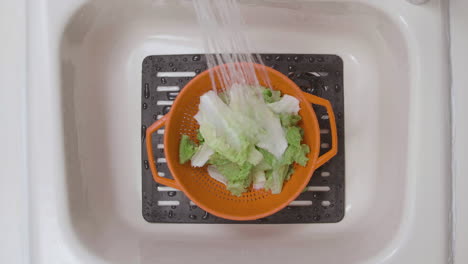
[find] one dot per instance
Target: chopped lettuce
(269, 159)
(238, 177)
(263, 165)
(224, 96)
(301, 156)
(296, 154)
(249, 137)
(281, 170)
(187, 149)
(215, 174)
(245, 100)
(255, 157)
(271, 96)
(225, 131)
(259, 179)
(288, 105)
(288, 120)
(293, 136)
(295, 151)
(202, 155)
(276, 179)
(200, 138)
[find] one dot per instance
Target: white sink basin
(85, 132)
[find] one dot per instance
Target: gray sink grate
(163, 76)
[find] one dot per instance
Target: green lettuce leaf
(239, 177)
(287, 104)
(187, 149)
(288, 120)
(271, 96)
(226, 131)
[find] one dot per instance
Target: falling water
(225, 42)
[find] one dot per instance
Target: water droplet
(163, 80)
(197, 71)
(174, 69)
(158, 68)
(320, 59)
(267, 57)
(145, 105)
(277, 58)
(146, 164)
(317, 218)
(288, 58)
(196, 58)
(291, 68)
(337, 88)
(184, 59)
(296, 58)
(143, 133)
(291, 75)
(172, 96)
(327, 215)
(274, 66)
(193, 217)
(170, 214)
(315, 195)
(171, 194)
(339, 115)
(325, 87)
(311, 59)
(205, 216)
(288, 207)
(299, 217)
(173, 207)
(147, 91)
(171, 64)
(155, 117)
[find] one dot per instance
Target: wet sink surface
(99, 47)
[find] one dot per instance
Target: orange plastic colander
(211, 195)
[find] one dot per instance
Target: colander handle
(334, 136)
(149, 148)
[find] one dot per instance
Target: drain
(321, 202)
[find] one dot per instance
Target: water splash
(226, 43)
